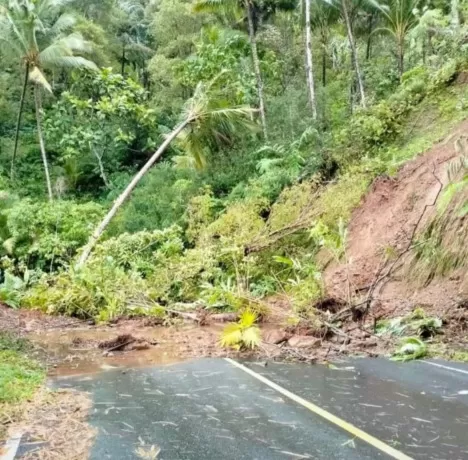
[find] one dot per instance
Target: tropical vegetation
(159, 152)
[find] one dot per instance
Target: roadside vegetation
(157, 156)
(20, 377)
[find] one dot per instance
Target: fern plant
(242, 335)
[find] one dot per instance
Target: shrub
(369, 129)
(141, 252)
(47, 235)
(101, 291)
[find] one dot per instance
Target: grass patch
(444, 351)
(20, 378)
(11, 342)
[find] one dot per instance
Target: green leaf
(284, 260)
(410, 348)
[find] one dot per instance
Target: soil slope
(389, 218)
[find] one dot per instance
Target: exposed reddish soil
(390, 215)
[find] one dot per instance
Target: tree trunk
(370, 26)
(309, 61)
(18, 121)
(354, 57)
(351, 97)
(455, 14)
(256, 65)
(37, 100)
(401, 57)
(126, 193)
(324, 67)
(122, 70)
(424, 50)
(102, 172)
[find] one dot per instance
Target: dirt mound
(24, 321)
(391, 214)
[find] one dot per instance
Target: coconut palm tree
(353, 49)
(132, 33)
(41, 38)
(323, 16)
(246, 8)
(206, 120)
(348, 9)
(309, 60)
(400, 18)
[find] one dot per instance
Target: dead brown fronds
(55, 426)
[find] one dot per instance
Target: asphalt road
(212, 409)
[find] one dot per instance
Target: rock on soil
(276, 337)
(304, 341)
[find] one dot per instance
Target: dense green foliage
(227, 216)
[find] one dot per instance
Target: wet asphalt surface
(208, 409)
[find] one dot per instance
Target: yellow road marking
(377, 443)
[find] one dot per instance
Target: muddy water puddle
(77, 351)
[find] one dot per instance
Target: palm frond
(38, 78)
(251, 337)
(63, 23)
(49, 7)
(231, 336)
(7, 37)
(192, 144)
(139, 48)
(217, 6)
(212, 122)
(61, 53)
(132, 7)
(247, 319)
(10, 28)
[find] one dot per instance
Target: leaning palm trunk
(370, 26)
(401, 56)
(354, 57)
(256, 64)
(18, 121)
(126, 193)
(455, 14)
(309, 61)
(37, 99)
